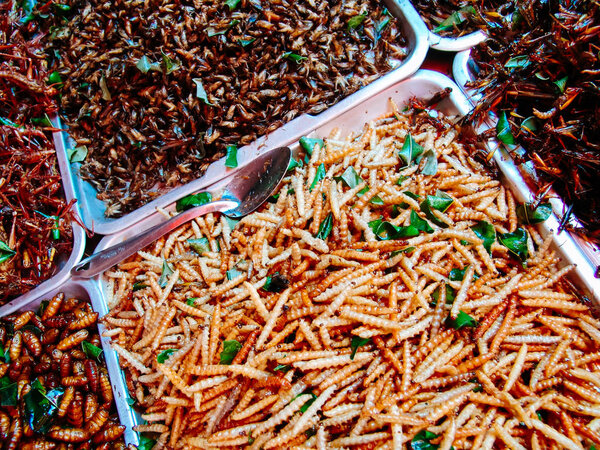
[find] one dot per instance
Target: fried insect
(68, 434)
(72, 340)
(109, 433)
(32, 342)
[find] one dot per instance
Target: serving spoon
(246, 189)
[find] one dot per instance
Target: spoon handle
(99, 262)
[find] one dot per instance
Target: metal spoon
(246, 189)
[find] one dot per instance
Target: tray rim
(412, 26)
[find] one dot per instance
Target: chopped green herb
(462, 320)
(410, 150)
(230, 349)
(517, 62)
(5, 252)
(325, 227)
(529, 215)
(503, 130)
(458, 274)
(422, 441)
(231, 159)
(309, 402)
(418, 223)
(164, 355)
(212, 32)
(516, 243)
(450, 295)
(385, 231)
(319, 175)
(356, 342)
(440, 202)
(43, 121)
(308, 144)
(356, 21)
(402, 250)
(295, 163)
(486, 232)
(294, 57)
(193, 200)
(138, 285)
(232, 223)
(530, 124)
(352, 179)
(282, 368)
(166, 273)
(401, 179)
(146, 443)
(91, 350)
(200, 92)
(191, 301)
(455, 19)
(55, 79)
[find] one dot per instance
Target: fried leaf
(516, 243)
(230, 349)
(356, 21)
(164, 355)
(232, 274)
(231, 160)
(503, 130)
(28, 7)
(169, 65)
(462, 320)
(529, 215)
(431, 163)
(245, 42)
(517, 62)
(146, 443)
(486, 232)
(455, 19)
(138, 285)
(144, 65)
(4, 354)
(325, 227)
(294, 57)
(458, 274)
(294, 163)
(282, 368)
(8, 392)
(199, 245)
(382, 24)
(410, 150)
(309, 402)
(402, 250)
(91, 350)
(5, 252)
(308, 144)
(352, 179)
(385, 231)
(530, 124)
(422, 441)
(43, 121)
(200, 92)
(191, 301)
(55, 79)
(276, 283)
(193, 200)
(450, 295)
(401, 179)
(166, 272)
(356, 342)
(441, 202)
(41, 406)
(212, 32)
(418, 223)
(231, 222)
(562, 83)
(232, 4)
(319, 175)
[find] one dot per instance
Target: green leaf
(308, 144)
(200, 92)
(562, 83)
(191, 301)
(356, 342)
(293, 57)
(385, 231)
(91, 350)
(530, 216)
(5, 252)
(169, 65)
(231, 222)
(325, 227)
(401, 179)
(199, 245)
(382, 24)
(193, 200)
(418, 223)
(462, 320)
(28, 7)
(232, 274)
(130, 401)
(282, 368)
(61, 8)
(319, 175)
(212, 32)
(40, 406)
(486, 232)
(422, 441)
(294, 163)
(138, 285)
(309, 402)
(145, 65)
(516, 243)
(402, 250)
(503, 130)
(450, 294)
(42, 121)
(164, 355)
(245, 42)
(276, 283)
(230, 349)
(55, 79)
(410, 150)
(9, 123)
(232, 4)
(231, 160)
(441, 202)
(8, 392)
(356, 21)
(146, 443)
(4, 354)
(166, 272)
(517, 62)
(530, 124)
(431, 163)
(455, 19)
(458, 274)
(352, 179)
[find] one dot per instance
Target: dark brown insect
(15, 434)
(50, 336)
(22, 320)
(32, 343)
(91, 372)
(75, 411)
(4, 425)
(16, 344)
(97, 421)
(90, 406)
(65, 401)
(77, 380)
(68, 434)
(65, 365)
(110, 432)
(105, 388)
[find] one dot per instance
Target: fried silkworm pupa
(4, 425)
(86, 320)
(53, 306)
(50, 336)
(68, 434)
(77, 380)
(110, 432)
(32, 342)
(106, 388)
(22, 320)
(72, 340)
(65, 365)
(91, 372)
(16, 344)
(39, 444)
(65, 401)
(16, 433)
(97, 422)
(90, 406)
(75, 411)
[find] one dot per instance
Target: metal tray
(449, 44)
(65, 267)
(462, 70)
(93, 209)
(347, 118)
(89, 292)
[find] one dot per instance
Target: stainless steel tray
(347, 118)
(448, 44)
(462, 72)
(78, 246)
(89, 292)
(93, 209)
